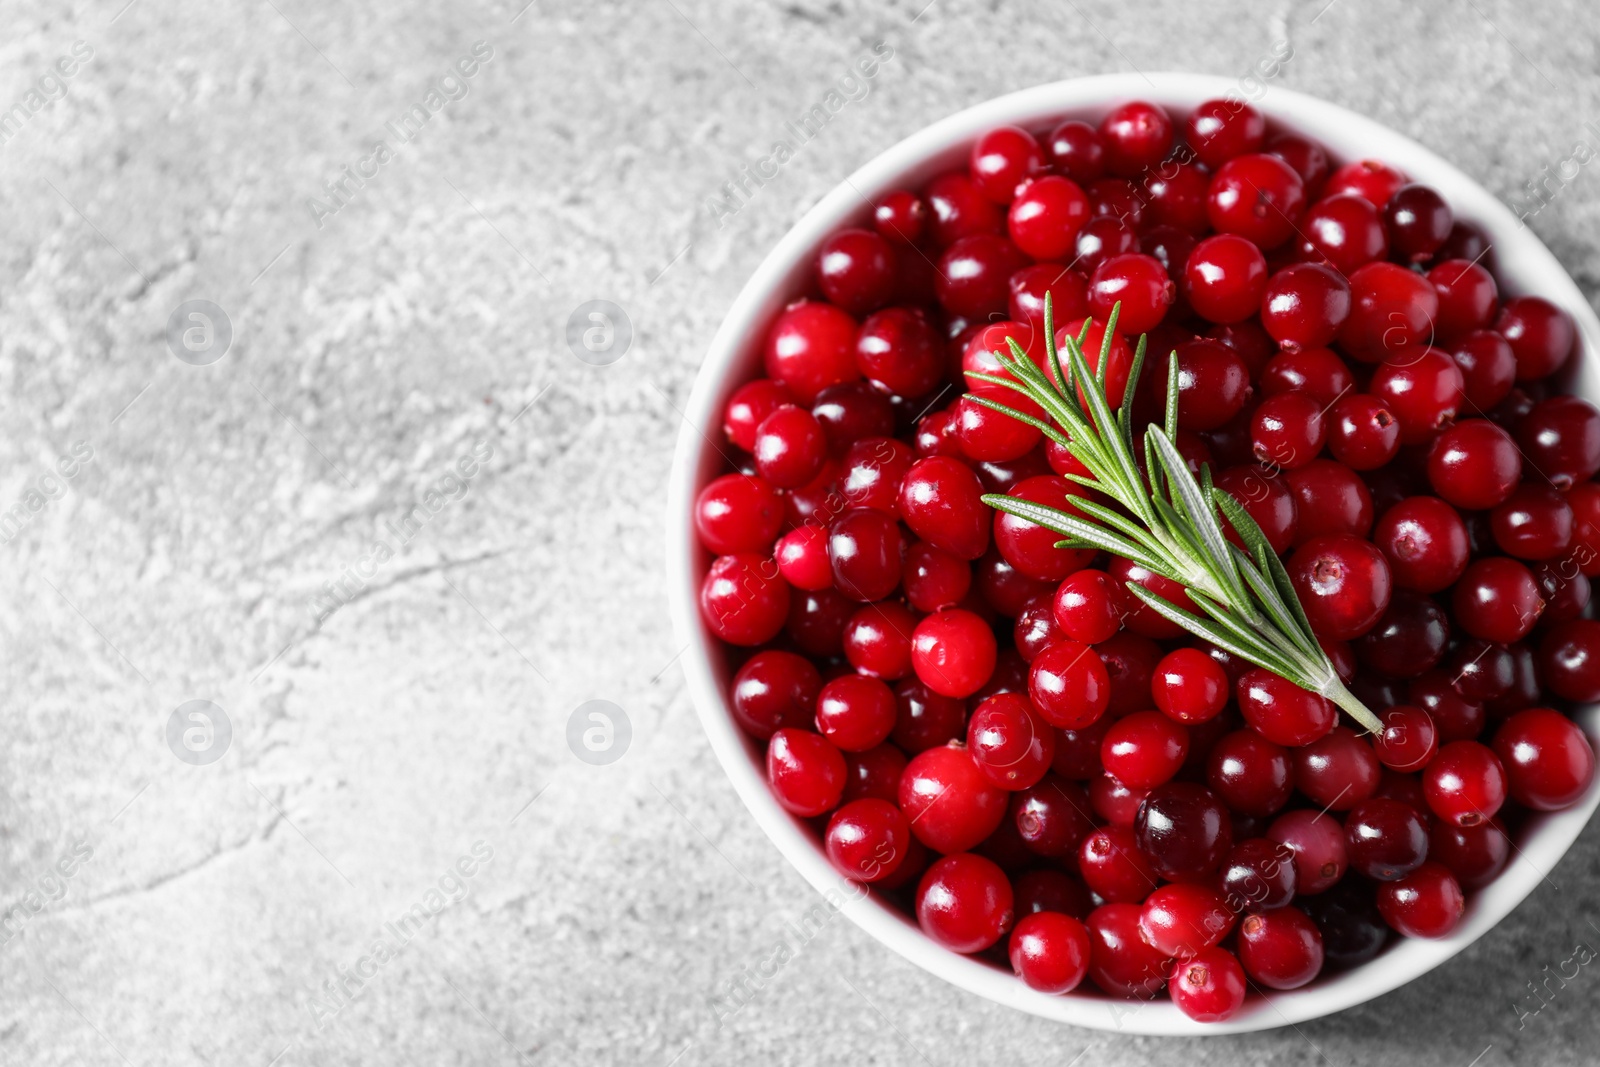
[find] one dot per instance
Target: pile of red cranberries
(991, 731)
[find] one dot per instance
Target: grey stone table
(397, 532)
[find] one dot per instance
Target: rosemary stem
(1335, 691)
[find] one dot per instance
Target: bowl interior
(1522, 266)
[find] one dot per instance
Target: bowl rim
(1523, 262)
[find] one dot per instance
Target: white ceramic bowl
(1523, 265)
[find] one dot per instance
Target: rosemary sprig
(1169, 521)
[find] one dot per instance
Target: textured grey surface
(373, 747)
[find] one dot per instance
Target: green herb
(1168, 521)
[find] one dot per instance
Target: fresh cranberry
(1268, 500)
(1050, 951)
(1569, 660)
(1208, 987)
(899, 352)
(925, 719)
(1067, 289)
(974, 275)
(1225, 278)
(1287, 430)
(1176, 194)
(965, 903)
(1409, 638)
(1003, 159)
(1385, 839)
(1189, 687)
(1497, 600)
(1052, 816)
(1116, 802)
(856, 270)
(1031, 548)
(1329, 499)
(1474, 464)
(802, 558)
(1418, 221)
(1259, 197)
(874, 773)
(1046, 217)
(1343, 583)
(1281, 948)
(1336, 772)
(877, 640)
(790, 447)
(1035, 629)
(953, 652)
(901, 216)
(743, 599)
(960, 209)
(849, 412)
(1100, 239)
(1184, 919)
(1584, 500)
(1183, 829)
(738, 513)
(1533, 523)
(951, 804)
(865, 547)
(1423, 387)
(940, 499)
(1120, 962)
(1425, 542)
(867, 839)
(1353, 931)
(1077, 151)
(1089, 606)
(1069, 685)
(1004, 588)
(1011, 744)
(1318, 843)
(1050, 890)
(1363, 434)
(1345, 231)
(856, 712)
(1139, 283)
(817, 621)
(1474, 854)
(1563, 587)
(1135, 135)
(751, 403)
(811, 346)
(1542, 336)
(773, 690)
(1468, 298)
(1548, 761)
(1392, 309)
(806, 771)
(1425, 903)
(1144, 749)
(1221, 129)
(1306, 157)
(1368, 178)
(1171, 247)
(1560, 439)
(1213, 383)
(1251, 774)
(1113, 867)
(1257, 875)
(1304, 305)
(1281, 711)
(1408, 740)
(1481, 671)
